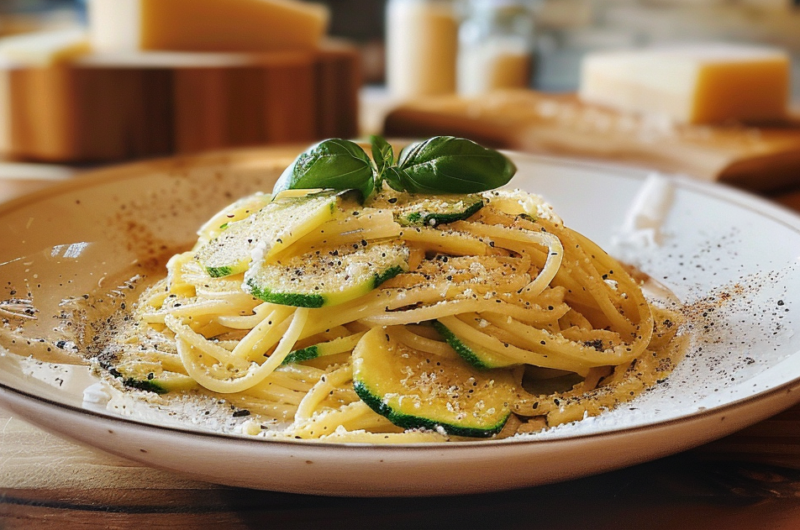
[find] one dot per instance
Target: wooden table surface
(750, 480)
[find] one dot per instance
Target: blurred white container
(495, 46)
(421, 47)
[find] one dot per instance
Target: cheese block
(205, 25)
(691, 84)
(44, 48)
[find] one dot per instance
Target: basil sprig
(382, 154)
(335, 164)
(442, 164)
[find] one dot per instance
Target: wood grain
(336, 108)
(81, 488)
(32, 458)
(120, 107)
(5, 111)
(89, 114)
(273, 101)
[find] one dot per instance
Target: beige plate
(98, 230)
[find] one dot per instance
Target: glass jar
(421, 47)
(496, 44)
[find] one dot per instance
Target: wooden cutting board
(757, 158)
(103, 108)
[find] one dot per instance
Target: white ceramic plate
(732, 257)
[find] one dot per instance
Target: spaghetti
(363, 324)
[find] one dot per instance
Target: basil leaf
(395, 178)
(382, 154)
(336, 164)
(445, 164)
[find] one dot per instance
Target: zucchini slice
(241, 209)
(328, 276)
(274, 227)
(323, 349)
(517, 202)
(418, 390)
(140, 375)
(478, 357)
(430, 210)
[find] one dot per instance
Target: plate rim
(721, 191)
(700, 415)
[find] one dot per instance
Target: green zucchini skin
(415, 390)
(430, 210)
(472, 354)
(144, 384)
(432, 218)
(321, 349)
(407, 421)
(313, 301)
(219, 272)
(277, 297)
(305, 354)
(323, 278)
(276, 226)
(155, 384)
(388, 274)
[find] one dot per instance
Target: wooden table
(750, 480)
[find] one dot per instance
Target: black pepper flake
(241, 413)
(597, 344)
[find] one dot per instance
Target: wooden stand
(116, 107)
(758, 158)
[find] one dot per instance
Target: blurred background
(565, 29)
(504, 72)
